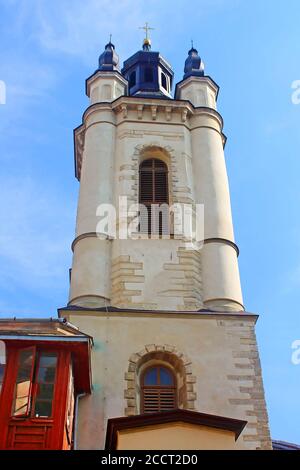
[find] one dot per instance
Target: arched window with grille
(158, 389)
(154, 195)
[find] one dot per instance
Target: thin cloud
(35, 235)
(80, 29)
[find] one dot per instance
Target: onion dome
(193, 66)
(109, 59)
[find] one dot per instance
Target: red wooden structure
(47, 367)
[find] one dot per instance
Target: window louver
(158, 390)
(158, 399)
(153, 190)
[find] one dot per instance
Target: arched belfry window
(153, 195)
(158, 389)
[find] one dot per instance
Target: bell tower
(154, 302)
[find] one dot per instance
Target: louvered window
(158, 390)
(153, 195)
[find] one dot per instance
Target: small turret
(193, 66)
(107, 83)
(196, 87)
(109, 59)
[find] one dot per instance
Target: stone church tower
(163, 313)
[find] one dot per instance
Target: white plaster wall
(90, 278)
(116, 141)
(211, 343)
(199, 91)
(105, 87)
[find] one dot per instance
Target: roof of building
(42, 332)
(283, 445)
(114, 425)
(194, 66)
(36, 327)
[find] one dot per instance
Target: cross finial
(192, 43)
(147, 28)
(110, 37)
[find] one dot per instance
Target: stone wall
(219, 356)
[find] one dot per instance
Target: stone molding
(163, 353)
(248, 383)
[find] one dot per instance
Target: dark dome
(109, 59)
(193, 66)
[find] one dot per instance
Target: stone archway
(170, 355)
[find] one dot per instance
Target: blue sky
(251, 49)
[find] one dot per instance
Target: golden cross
(146, 28)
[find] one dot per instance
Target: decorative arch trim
(166, 354)
(163, 153)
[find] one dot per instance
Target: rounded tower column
(90, 276)
(95, 151)
(220, 273)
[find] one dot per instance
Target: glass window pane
(48, 360)
(43, 409)
(23, 382)
(45, 380)
(151, 376)
(45, 391)
(166, 377)
(46, 374)
(2, 362)
(2, 366)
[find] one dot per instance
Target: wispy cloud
(35, 235)
(79, 28)
(38, 35)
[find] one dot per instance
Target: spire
(193, 66)
(147, 41)
(109, 59)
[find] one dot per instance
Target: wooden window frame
(31, 376)
(34, 384)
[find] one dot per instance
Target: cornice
(104, 73)
(205, 78)
(202, 314)
(188, 115)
